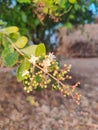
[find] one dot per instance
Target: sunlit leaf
(12, 29)
(24, 1)
(40, 50)
(29, 50)
(72, 1)
(21, 42)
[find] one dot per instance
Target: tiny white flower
(25, 72)
(46, 62)
(51, 56)
(33, 59)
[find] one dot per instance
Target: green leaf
(5, 43)
(77, 7)
(45, 10)
(29, 50)
(10, 59)
(38, 88)
(62, 3)
(38, 79)
(72, 17)
(24, 17)
(72, 1)
(9, 49)
(21, 42)
(40, 50)
(24, 1)
(15, 36)
(25, 65)
(12, 29)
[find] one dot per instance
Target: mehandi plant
(34, 67)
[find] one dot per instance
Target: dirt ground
(53, 112)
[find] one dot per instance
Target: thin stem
(66, 11)
(14, 46)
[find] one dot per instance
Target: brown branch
(14, 46)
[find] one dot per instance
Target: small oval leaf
(12, 29)
(21, 42)
(29, 50)
(40, 50)
(7, 50)
(10, 59)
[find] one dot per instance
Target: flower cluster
(33, 59)
(46, 72)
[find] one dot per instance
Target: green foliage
(25, 65)
(24, 1)
(40, 50)
(21, 42)
(30, 50)
(10, 59)
(72, 1)
(29, 15)
(9, 56)
(36, 50)
(8, 49)
(10, 30)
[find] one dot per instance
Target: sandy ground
(54, 112)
